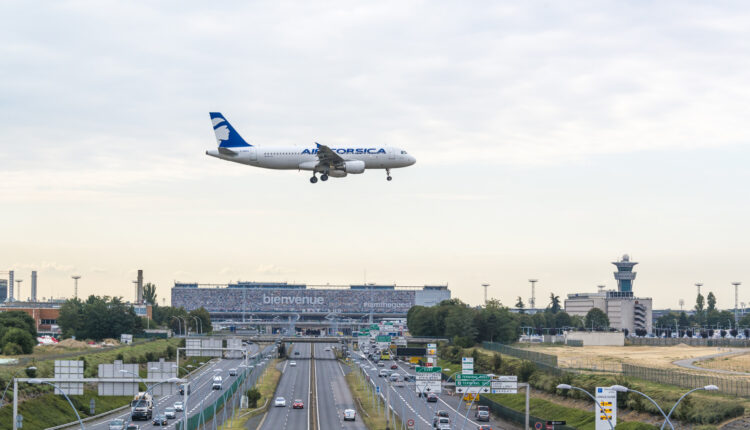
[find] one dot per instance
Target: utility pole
(485, 285)
(736, 301)
(532, 302)
(75, 285)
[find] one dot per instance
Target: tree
(519, 304)
(19, 337)
(554, 303)
(711, 301)
(149, 294)
(700, 303)
(203, 316)
(684, 321)
(97, 318)
(596, 319)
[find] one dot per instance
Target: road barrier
(689, 379)
(544, 361)
(517, 417)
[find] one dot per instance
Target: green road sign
(472, 380)
(374, 327)
(383, 339)
(428, 369)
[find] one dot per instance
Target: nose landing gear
(388, 172)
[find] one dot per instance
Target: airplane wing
(327, 157)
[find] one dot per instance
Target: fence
(727, 384)
(691, 341)
(512, 415)
(546, 362)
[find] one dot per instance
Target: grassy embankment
(267, 387)
(700, 408)
(42, 409)
(362, 399)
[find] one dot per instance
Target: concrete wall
(597, 338)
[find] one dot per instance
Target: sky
(551, 138)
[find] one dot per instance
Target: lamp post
(178, 324)
(11, 378)
(39, 381)
(198, 321)
(705, 388)
(623, 389)
(570, 387)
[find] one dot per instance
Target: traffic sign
(538, 425)
(608, 400)
(467, 365)
(476, 380)
(410, 422)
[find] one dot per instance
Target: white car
(232, 372)
(179, 406)
(280, 401)
(170, 412)
(350, 415)
(116, 424)
(293, 363)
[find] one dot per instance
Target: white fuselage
(305, 158)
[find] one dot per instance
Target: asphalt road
(201, 393)
(406, 402)
(332, 392)
(294, 384)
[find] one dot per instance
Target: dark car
(160, 420)
(132, 427)
(484, 427)
(432, 398)
(298, 404)
(394, 366)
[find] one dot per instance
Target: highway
(406, 402)
(201, 394)
(332, 392)
(294, 384)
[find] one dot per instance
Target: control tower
(625, 275)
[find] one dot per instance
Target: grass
(367, 413)
(267, 387)
(49, 410)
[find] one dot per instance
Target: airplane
(329, 162)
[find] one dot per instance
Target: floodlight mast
(736, 301)
(75, 285)
(485, 285)
(532, 302)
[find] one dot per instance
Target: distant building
(45, 314)
(3, 290)
(625, 311)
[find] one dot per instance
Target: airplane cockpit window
(403, 152)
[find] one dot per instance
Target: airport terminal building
(243, 301)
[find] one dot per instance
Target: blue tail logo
(226, 135)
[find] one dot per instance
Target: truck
(142, 407)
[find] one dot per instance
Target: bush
(253, 395)
(31, 373)
(12, 349)
(21, 338)
(120, 357)
(632, 425)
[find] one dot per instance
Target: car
(408, 378)
(170, 412)
(279, 402)
(232, 372)
(432, 398)
(132, 426)
(383, 373)
(444, 427)
(440, 421)
(217, 383)
(160, 420)
(117, 424)
(298, 404)
(296, 352)
(484, 427)
(483, 416)
(179, 406)
(328, 349)
(442, 413)
(350, 415)
(293, 363)
(394, 366)
(381, 364)
(481, 408)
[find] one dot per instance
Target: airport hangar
(283, 307)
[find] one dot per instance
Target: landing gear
(388, 172)
(313, 179)
(323, 177)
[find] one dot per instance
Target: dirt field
(736, 363)
(610, 358)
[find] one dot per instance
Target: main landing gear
(313, 179)
(323, 177)
(388, 172)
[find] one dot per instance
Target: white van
(217, 383)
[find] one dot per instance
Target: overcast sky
(550, 137)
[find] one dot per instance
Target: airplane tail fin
(226, 136)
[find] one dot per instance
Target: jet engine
(354, 166)
(336, 173)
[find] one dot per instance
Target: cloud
(45, 266)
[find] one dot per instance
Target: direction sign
(476, 390)
(467, 365)
(476, 380)
(608, 400)
(381, 338)
(426, 386)
(507, 378)
(426, 369)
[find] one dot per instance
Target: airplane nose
(412, 160)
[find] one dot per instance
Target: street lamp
(705, 388)
(11, 378)
(570, 387)
(39, 381)
(623, 389)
